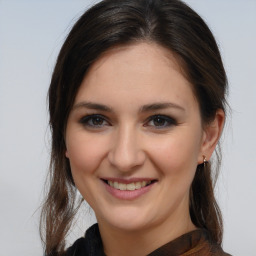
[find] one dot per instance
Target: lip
(127, 181)
(128, 194)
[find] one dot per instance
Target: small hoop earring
(204, 160)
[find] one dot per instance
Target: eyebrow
(91, 105)
(159, 106)
(145, 108)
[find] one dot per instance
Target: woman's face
(134, 138)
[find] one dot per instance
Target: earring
(204, 160)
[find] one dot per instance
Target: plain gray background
(31, 34)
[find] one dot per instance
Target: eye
(94, 121)
(160, 121)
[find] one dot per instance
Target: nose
(126, 153)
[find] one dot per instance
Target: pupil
(97, 121)
(159, 121)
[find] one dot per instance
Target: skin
(125, 142)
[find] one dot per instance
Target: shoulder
(78, 248)
(207, 246)
(216, 250)
(194, 243)
(90, 245)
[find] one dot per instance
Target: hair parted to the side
(168, 23)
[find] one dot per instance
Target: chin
(127, 219)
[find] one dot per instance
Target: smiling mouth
(129, 186)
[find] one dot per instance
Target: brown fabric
(195, 243)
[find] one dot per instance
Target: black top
(195, 243)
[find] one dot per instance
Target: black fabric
(195, 243)
(90, 245)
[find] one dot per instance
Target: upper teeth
(130, 186)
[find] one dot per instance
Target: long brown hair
(169, 23)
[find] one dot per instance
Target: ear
(211, 136)
(66, 154)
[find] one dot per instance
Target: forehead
(149, 55)
(143, 71)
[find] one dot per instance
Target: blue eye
(94, 121)
(161, 121)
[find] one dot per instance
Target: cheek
(85, 154)
(177, 154)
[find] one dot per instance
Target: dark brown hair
(169, 23)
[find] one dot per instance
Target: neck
(143, 241)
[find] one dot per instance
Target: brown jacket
(195, 243)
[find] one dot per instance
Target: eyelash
(168, 121)
(88, 120)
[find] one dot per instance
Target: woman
(137, 107)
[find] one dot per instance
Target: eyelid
(170, 120)
(167, 120)
(85, 120)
